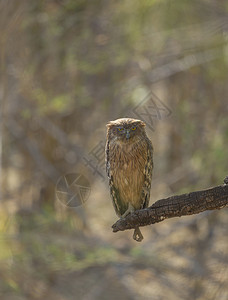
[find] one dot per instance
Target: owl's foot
(137, 236)
(128, 211)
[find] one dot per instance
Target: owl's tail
(137, 236)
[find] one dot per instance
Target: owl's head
(126, 130)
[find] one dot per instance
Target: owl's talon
(137, 236)
(128, 211)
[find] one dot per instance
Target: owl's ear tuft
(142, 123)
(109, 124)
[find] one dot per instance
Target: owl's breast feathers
(129, 168)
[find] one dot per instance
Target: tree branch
(176, 206)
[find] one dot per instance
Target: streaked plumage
(129, 165)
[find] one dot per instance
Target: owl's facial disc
(126, 132)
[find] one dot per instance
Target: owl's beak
(128, 134)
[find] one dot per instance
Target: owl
(129, 166)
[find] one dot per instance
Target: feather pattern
(129, 164)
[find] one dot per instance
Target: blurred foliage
(66, 68)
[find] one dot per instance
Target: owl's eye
(133, 128)
(120, 129)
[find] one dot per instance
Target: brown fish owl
(129, 165)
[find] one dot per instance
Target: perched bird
(129, 166)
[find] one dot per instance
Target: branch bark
(176, 206)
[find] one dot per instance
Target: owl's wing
(107, 159)
(119, 206)
(147, 175)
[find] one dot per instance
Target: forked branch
(176, 206)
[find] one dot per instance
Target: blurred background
(68, 67)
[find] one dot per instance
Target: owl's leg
(137, 236)
(129, 210)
